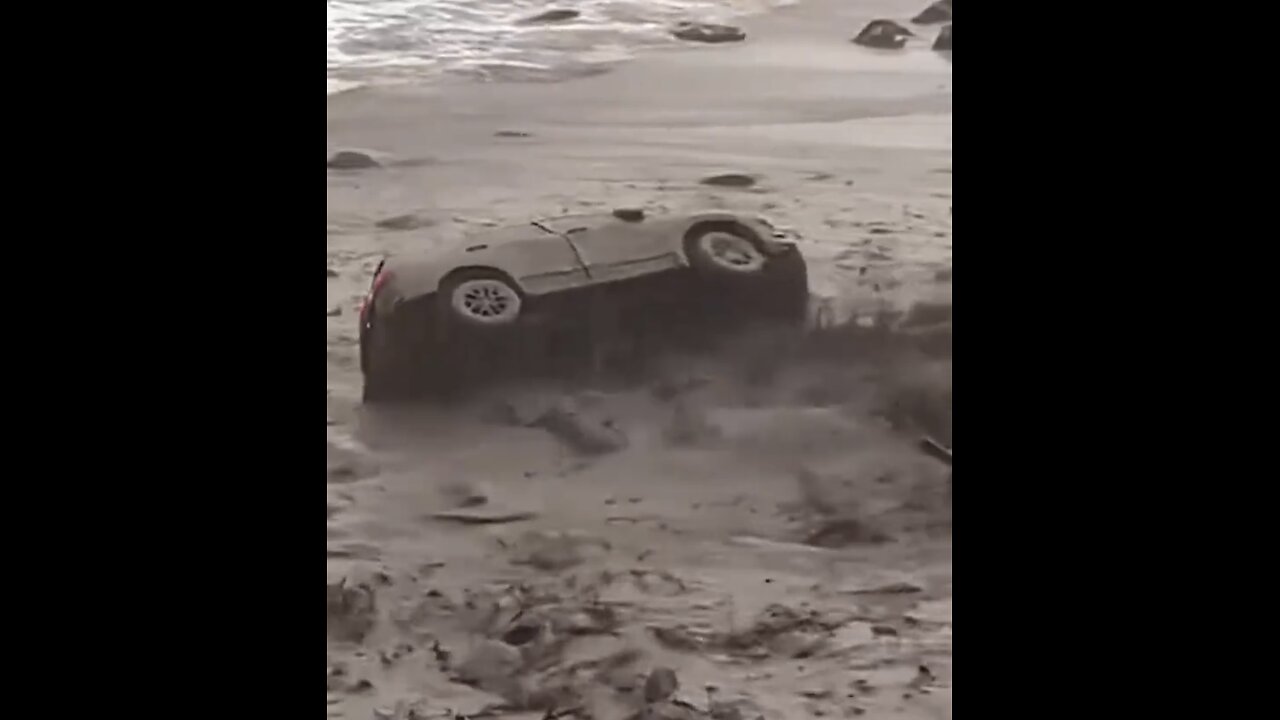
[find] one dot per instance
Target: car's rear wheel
(481, 299)
(725, 250)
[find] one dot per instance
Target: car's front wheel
(725, 250)
(736, 268)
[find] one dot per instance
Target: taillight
(379, 280)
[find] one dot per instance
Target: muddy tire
(725, 251)
(480, 300)
(750, 279)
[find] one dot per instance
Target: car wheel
(725, 250)
(737, 273)
(481, 299)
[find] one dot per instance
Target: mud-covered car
(430, 313)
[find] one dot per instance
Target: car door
(614, 249)
(541, 262)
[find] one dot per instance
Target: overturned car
(434, 319)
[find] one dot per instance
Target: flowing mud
(765, 539)
(742, 528)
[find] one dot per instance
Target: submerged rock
(944, 39)
(352, 160)
(403, 222)
(708, 32)
(660, 685)
(550, 16)
(939, 11)
(734, 180)
(883, 34)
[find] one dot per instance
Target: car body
(497, 281)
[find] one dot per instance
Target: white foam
(374, 40)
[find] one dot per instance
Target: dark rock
(883, 34)
(334, 312)
(352, 160)
(938, 12)
(708, 32)
(944, 39)
(465, 494)
(660, 685)
(403, 222)
(512, 134)
(522, 634)
(331, 272)
(676, 638)
(550, 16)
(736, 180)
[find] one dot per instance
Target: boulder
(352, 160)
(883, 34)
(944, 39)
(550, 16)
(403, 222)
(938, 12)
(708, 32)
(661, 684)
(734, 180)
